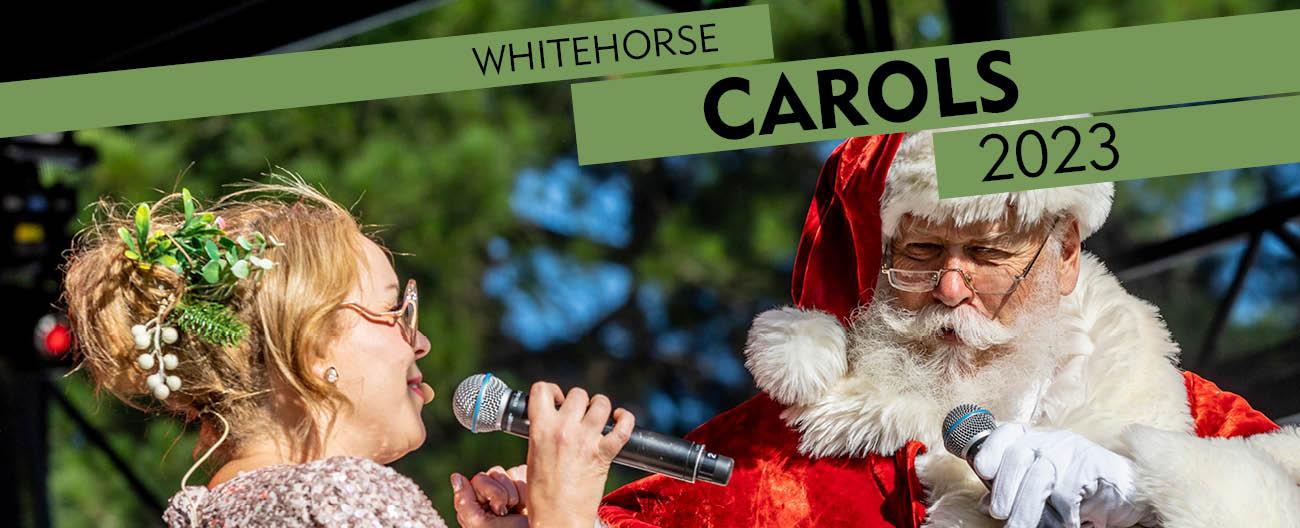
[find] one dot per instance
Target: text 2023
(1103, 132)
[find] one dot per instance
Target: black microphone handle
(645, 450)
(1050, 519)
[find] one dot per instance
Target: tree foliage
(637, 279)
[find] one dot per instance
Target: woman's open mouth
(422, 390)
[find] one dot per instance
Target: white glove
(1084, 482)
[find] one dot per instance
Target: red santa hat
(865, 188)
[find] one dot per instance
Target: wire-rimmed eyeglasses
(984, 282)
(405, 316)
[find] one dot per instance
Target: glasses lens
(992, 282)
(410, 309)
(913, 281)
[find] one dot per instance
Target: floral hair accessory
(210, 264)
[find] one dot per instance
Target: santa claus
(908, 305)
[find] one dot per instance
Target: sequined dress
(337, 491)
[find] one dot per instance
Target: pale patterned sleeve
(338, 491)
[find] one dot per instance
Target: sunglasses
(404, 316)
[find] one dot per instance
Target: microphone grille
(963, 424)
(479, 402)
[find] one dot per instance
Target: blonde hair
(291, 311)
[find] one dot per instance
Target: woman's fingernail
(501, 510)
(455, 482)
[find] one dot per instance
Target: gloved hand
(1083, 481)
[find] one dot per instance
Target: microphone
(484, 403)
(964, 431)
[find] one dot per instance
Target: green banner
(939, 87)
(1127, 146)
(381, 71)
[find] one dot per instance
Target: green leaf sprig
(211, 263)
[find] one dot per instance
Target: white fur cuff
(1212, 482)
(795, 355)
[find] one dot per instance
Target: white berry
(138, 330)
(170, 361)
(145, 361)
(169, 335)
(161, 392)
(154, 380)
(173, 383)
(141, 341)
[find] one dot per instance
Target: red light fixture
(53, 336)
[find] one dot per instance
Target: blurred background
(636, 279)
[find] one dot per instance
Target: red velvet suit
(773, 485)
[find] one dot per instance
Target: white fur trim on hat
(795, 354)
(912, 188)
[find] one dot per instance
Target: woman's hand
(495, 498)
(569, 455)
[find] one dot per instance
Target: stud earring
(331, 375)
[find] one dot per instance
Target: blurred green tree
(651, 306)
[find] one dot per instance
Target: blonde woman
(273, 322)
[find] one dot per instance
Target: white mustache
(975, 330)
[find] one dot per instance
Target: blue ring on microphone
(478, 401)
(963, 419)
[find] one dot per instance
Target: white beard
(1003, 368)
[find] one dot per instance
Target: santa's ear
(1069, 262)
(795, 355)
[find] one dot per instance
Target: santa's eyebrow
(992, 236)
(957, 239)
(1004, 238)
(1001, 237)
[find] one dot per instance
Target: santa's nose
(952, 289)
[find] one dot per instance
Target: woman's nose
(422, 345)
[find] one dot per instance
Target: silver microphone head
(479, 402)
(965, 424)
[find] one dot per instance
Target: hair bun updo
(289, 313)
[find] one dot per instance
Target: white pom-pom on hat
(795, 355)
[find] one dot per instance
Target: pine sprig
(211, 322)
